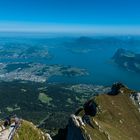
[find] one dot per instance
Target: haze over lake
(91, 53)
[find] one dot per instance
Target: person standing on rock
(17, 122)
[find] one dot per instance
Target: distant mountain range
(86, 44)
(128, 60)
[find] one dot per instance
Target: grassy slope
(118, 119)
(28, 131)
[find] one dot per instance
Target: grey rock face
(75, 128)
(136, 99)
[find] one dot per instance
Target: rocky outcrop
(107, 117)
(136, 99)
(74, 128)
(48, 136)
(90, 108)
(116, 88)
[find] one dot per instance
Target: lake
(102, 70)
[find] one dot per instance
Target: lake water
(98, 63)
(101, 69)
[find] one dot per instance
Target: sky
(97, 16)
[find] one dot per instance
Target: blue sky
(70, 15)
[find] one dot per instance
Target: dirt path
(4, 135)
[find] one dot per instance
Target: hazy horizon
(114, 17)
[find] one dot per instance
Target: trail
(8, 133)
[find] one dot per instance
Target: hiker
(7, 121)
(17, 122)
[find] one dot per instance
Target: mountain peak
(106, 117)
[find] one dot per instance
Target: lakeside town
(36, 72)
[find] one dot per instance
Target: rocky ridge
(111, 116)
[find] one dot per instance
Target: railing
(13, 131)
(11, 135)
(13, 127)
